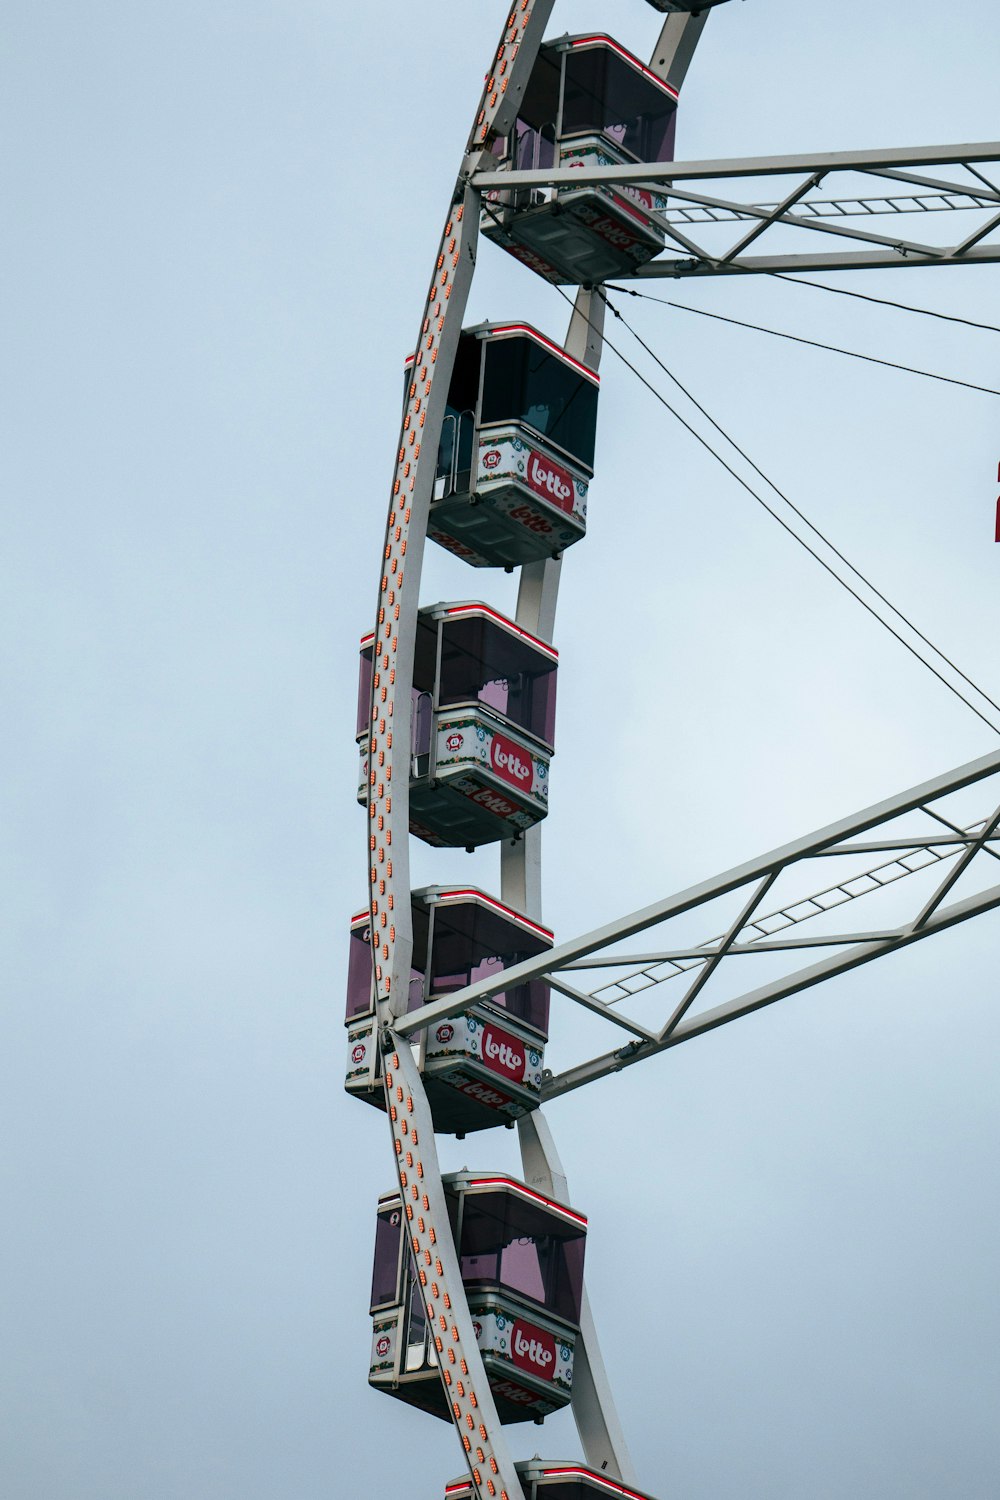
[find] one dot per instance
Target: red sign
(510, 762)
(492, 801)
(534, 262)
(608, 229)
(451, 544)
(503, 1053)
(491, 459)
(550, 480)
(644, 199)
(528, 516)
(492, 1098)
(518, 1395)
(533, 1349)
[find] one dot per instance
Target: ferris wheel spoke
(594, 1409)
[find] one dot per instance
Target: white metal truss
(658, 968)
(680, 192)
(916, 849)
(833, 208)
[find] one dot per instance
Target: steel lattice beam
(679, 191)
(642, 174)
(749, 933)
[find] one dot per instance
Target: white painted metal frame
(916, 851)
(680, 183)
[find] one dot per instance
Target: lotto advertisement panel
(528, 1347)
(587, 154)
(361, 1055)
(478, 1038)
(513, 471)
(473, 742)
(468, 743)
(385, 1332)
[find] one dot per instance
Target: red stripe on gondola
(600, 40)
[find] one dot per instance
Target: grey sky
(220, 221)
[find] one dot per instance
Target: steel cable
(774, 514)
(841, 291)
(804, 518)
(795, 338)
(785, 525)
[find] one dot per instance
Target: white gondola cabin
(550, 1479)
(482, 726)
(517, 449)
(588, 103)
(483, 1067)
(521, 1258)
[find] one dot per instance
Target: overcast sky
(219, 223)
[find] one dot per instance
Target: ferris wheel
(480, 1314)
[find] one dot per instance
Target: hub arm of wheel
(594, 1410)
(675, 46)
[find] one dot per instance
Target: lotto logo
(491, 459)
(451, 544)
(638, 195)
(503, 1053)
(550, 480)
(529, 517)
(358, 1053)
(615, 234)
(517, 1394)
(454, 742)
(493, 802)
(445, 1033)
(492, 1098)
(382, 1345)
(533, 1349)
(535, 262)
(511, 762)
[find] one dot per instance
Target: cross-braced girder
(679, 193)
(919, 850)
